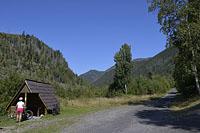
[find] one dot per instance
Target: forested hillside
(32, 58)
(160, 64)
(25, 56)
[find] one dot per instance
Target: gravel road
(150, 117)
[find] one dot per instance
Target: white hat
(21, 98)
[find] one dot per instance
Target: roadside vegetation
(182, 103)
(150, 85)
(137, 86)
(179, 21)
(125, 83)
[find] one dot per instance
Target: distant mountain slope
(161, 63)
(33, 59)
(105, 79)
(92, 75)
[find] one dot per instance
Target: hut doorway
(35, 104)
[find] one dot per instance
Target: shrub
(143, 85)
(79, 91)
(8, 87)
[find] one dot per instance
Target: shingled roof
(46, 92)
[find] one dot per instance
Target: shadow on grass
(148, 101)
(135, 103)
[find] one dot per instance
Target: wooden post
(45, 112)
(25, 99)
(38, 111)
(126, 89)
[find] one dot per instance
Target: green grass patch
(6, 121)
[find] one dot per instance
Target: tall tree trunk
(196, 78)
(194, 67)
(195, 73)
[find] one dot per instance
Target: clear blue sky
(87, 32)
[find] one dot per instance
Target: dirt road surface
(150, 117)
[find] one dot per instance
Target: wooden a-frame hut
(38, 97)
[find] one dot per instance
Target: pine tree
(123, 69)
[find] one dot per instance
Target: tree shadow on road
(159, 114)
(185, 119)
(154, 102)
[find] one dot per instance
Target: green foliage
(79, 91)
(33, 59)
(183, 75)
(123, 68)
(146, 86)
(8, 88)
(180, 22)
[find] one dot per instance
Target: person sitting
(20, 109)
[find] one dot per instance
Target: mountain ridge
(92, 75)
(161, 63)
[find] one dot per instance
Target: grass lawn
(70, 110)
